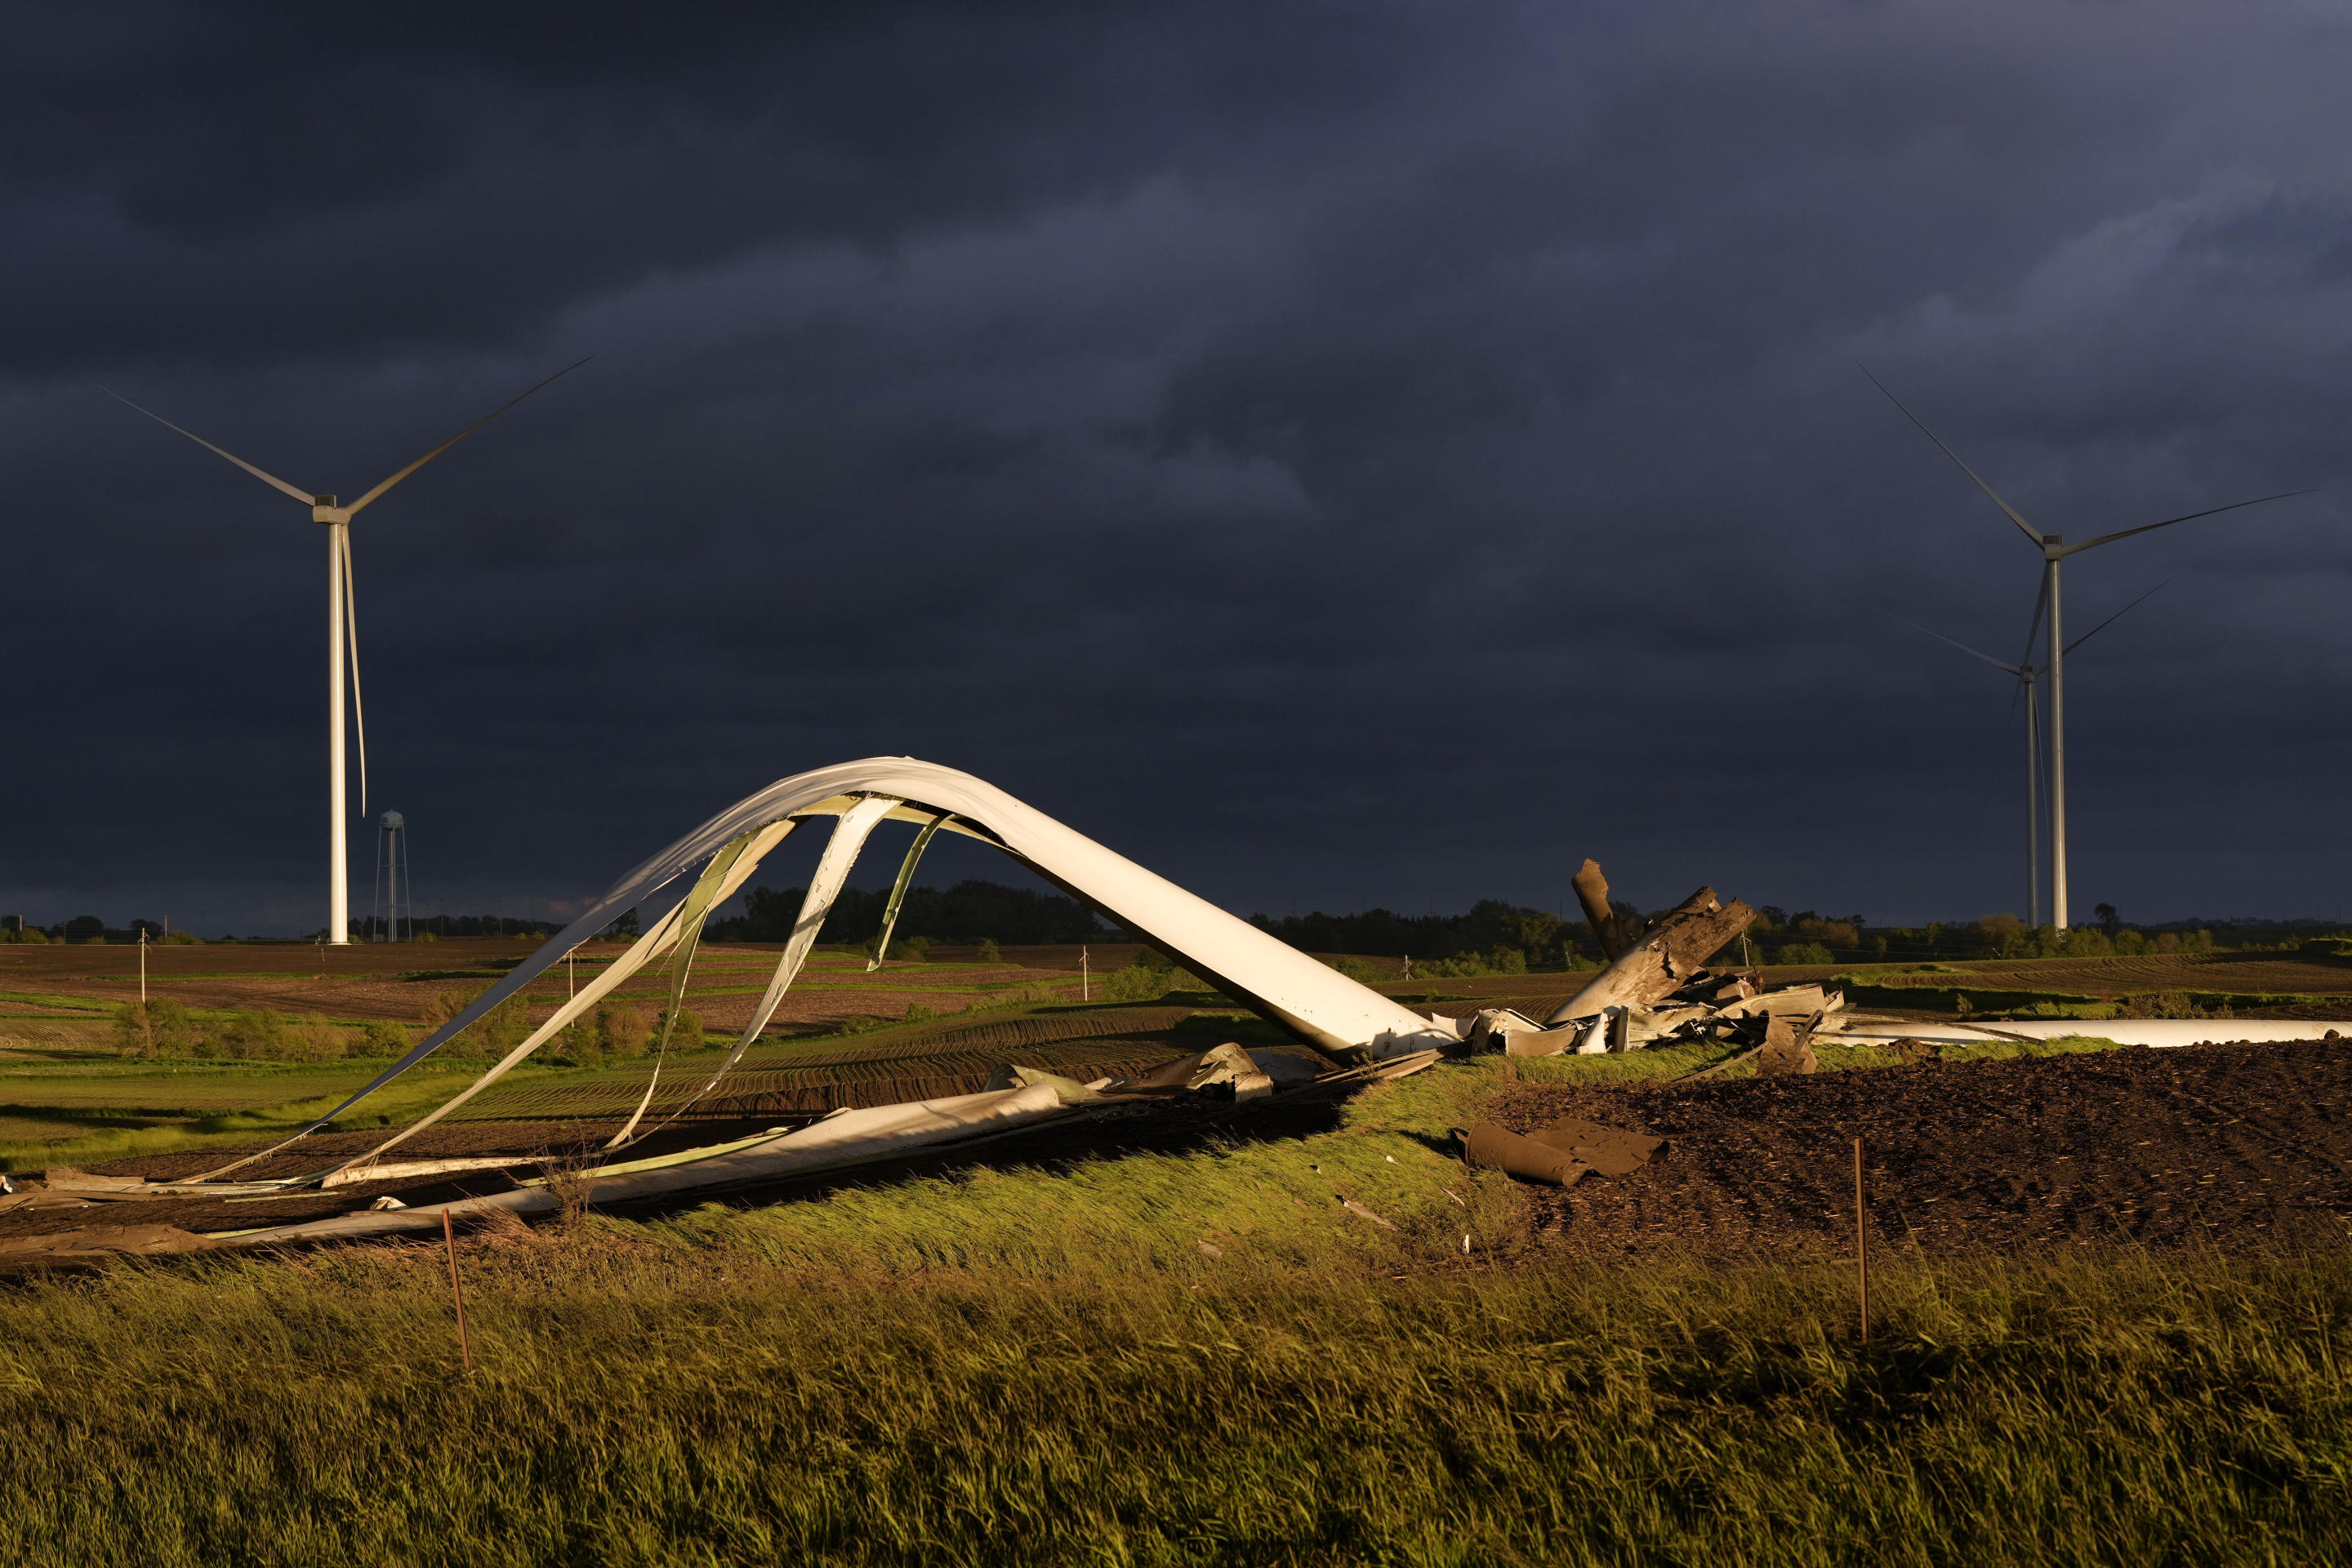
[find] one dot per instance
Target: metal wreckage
(1655, 988)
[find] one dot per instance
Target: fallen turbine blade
(2032, 532)
(305, 497)
(460, 435)
(2186, 517)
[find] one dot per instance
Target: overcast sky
(1334, 455)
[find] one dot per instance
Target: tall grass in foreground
(1165, 1358)
(641, 1399)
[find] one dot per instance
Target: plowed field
(2227, 1145)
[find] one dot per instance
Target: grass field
(1177, 1358)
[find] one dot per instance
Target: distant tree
(2108, 917)
(86, 928)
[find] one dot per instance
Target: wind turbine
(2054, 550)
(342, 630)
(2028, 674)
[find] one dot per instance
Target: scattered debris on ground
(1733, 1140)
(1560, 1155)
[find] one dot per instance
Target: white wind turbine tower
(2028, 674)
(343, 630)
(2054, 550)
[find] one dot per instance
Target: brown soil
(2227, 1145)
(401, 982)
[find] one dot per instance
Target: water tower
(394, 915)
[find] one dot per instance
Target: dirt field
(400, 982)
(2226, 1145)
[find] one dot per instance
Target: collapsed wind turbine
(2028, 675)
(342, 630)
(2054, 550)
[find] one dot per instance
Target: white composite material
(844, 1138)
(676, 890)
(2121, 1031)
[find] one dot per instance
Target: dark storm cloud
(1377, 455)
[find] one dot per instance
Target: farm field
(843, 1037)
(2112, 1323)
(2112, 1316)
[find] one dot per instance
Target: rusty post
(1861, 1241)
(456, 1294)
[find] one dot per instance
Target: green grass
(1026, 1365)
(86, 1113)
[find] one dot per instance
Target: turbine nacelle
(325, 510)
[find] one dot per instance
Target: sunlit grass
(1175, 1358)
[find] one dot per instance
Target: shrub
(132, 1035)
(503, 1027)
(685, 1033)
(243, 1036)
(989, 951)
(1464, 965)
(621, 1031)
(1134, 982)
(1803, 952)
(170, 1027)
(379, 1039)
(314, 1039)
(181, 939)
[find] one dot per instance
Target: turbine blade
(354, 508)
(2111, 620)
(2033, 626)
(305, 497)
(1961, 646)
(2186, 517)
(2016, 691)
(2032, 532)
(352, 637)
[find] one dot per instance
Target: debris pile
(1657, 987)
